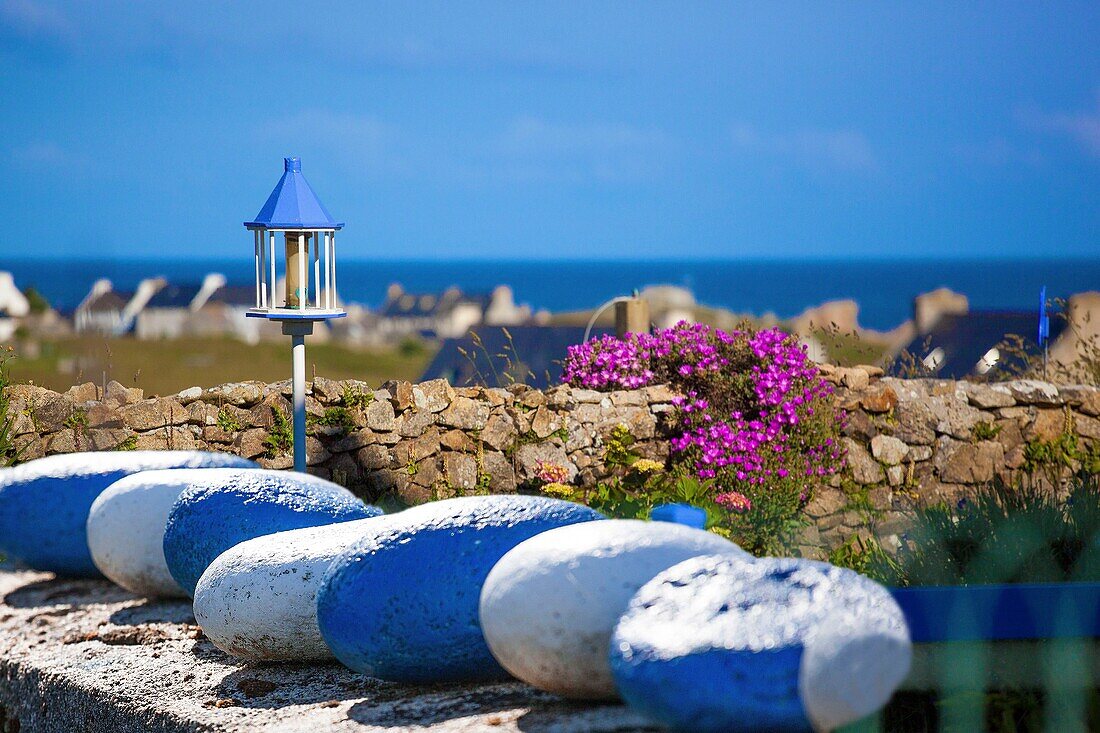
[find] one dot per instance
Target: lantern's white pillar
(299, 348)
(259, 271)
(298, 330)
(271, 285)
(332, 249)
(317, 269)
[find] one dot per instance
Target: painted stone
(714, 644)
(549, 606)
(214, 514)
(44, 503)
(402, 604)
(126, 528)
(258, 599)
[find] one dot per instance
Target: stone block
(224, 508)
(80, 393)
(888, 450)
(375, 457)
(122, 395)
(968, 463)
(52, 414)
(812, 646)
(381, 417)
(1034, 392)
(239, 394)
(465, 414)
(577, 580)
(499, 432)
(879, 399)
(502, 476)
(456, 440)
(865, 469)
(258, 600)
(434, 395)
(51, 497)
(988, 396)
(544, 422)
(460, 470)
(411, 613)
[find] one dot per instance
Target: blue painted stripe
(304, 316)
(993, 612)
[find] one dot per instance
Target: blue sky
(547, 130)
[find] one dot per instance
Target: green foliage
(9, 452)
(1057, 453)
(634, 495)
(774, 521)
(128, 444)
(227, 421)
(865, 555)
(1005, 534)
(78, 420)
(36, 301)
(355, 398)
(337, 417)
(618, 452)
(411, 346)
(985, 431)
(280, 438)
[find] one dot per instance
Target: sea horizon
(883, 288)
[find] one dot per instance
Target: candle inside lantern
(297, 268)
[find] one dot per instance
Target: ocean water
(883, 289)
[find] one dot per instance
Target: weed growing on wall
(9, 452)
(755, 421)
(280, 439)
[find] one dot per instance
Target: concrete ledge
(86, 655)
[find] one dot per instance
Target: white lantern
(295, 222)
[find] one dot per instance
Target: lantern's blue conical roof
(293, 205)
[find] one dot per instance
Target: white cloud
(816, 148)
(1082, 127)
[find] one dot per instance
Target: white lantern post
(308, 232)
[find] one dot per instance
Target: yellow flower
(558, 490)
(646, 465)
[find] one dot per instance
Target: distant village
(944, 335)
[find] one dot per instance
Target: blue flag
(1044, 319)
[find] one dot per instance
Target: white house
(112, 313)
(13, 305)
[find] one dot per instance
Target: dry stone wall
(908, 441)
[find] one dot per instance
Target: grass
(1019, 533)
(166, 367)
(849, 349)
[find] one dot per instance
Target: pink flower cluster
(747, 416)
(734, 501)
(551, 473)
(609, 363)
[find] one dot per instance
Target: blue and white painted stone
(715, 644)
(258, 599)
(217, 512)
(549, 606)
(402, 604)
(126, 528)
(44, 503)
